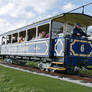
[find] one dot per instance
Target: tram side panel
(31, 48)
(59, 45)
(79, 52)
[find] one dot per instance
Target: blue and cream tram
(58, 51)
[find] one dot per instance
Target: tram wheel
(70, 71)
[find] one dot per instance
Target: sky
(18, 13)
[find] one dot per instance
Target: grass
(17, 81)
(32, 63)
(86, 73)
(89, 66)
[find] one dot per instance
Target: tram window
(22, 36)
(31, 34)
(89, 30)
(83, 28)
(0, 40)
(3, 40)
(69, 29)
(8, 39)
(57, 29)
(43, 31)
(14, 38)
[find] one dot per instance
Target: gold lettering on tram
(82, 48)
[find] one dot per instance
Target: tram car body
(59, 51)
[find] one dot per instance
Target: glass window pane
(89, 30)
(70, 28)
(43, 31)
(57, 29)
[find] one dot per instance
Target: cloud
(68, 7)
(3, 25)
(22, 10)
(42, 5)
(16, 9)
(6, 9)
(6, 26)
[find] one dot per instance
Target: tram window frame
(9, 39)
(83, 28)
(55, 28)
(31, 34)
(14, 38)
(3, 42)
(69, 31)
(22, 36)
(0, 40)
(89, 30)
(43, 28)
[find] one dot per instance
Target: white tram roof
(65, 17)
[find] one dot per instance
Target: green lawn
(17, 81)
(32, 63)
(89, 66)
(86, 73)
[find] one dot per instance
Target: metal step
(57, 62)
(59, 69)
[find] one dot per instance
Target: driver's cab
(70, 27)
(62, 26)
(66, 47)
(61, 29)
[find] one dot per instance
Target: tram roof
(65, 17)
(75, 18)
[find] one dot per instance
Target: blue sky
(17, 13)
